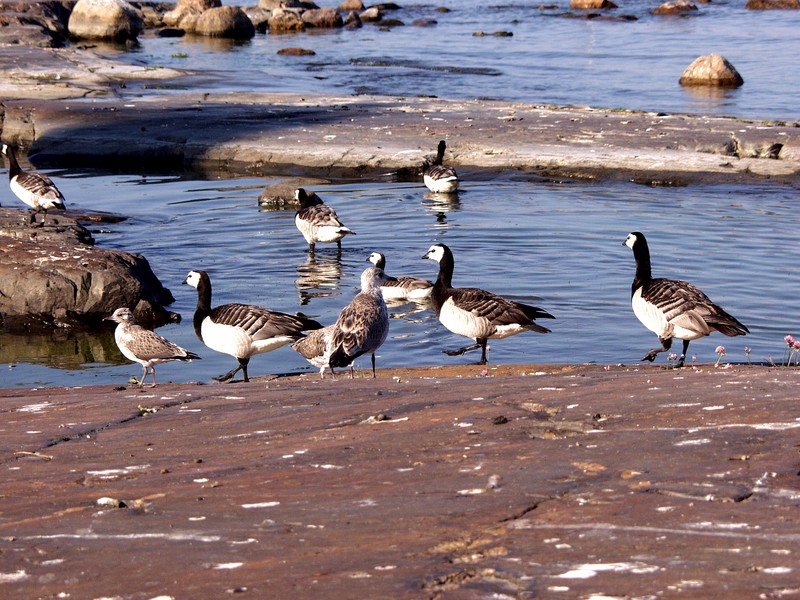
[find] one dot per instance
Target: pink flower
(796, 345)
(720, 350)
(789, 340)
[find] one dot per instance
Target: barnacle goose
(316, 348)
(317, 221)
(144, 346)
(362, 325)
(400, 288)
(241, 330)
(476, 313)
(35, 189)
(671, 308)
(438, 178)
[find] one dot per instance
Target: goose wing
(437, 172)
(320, 215)
(686, 306)
(407, 283)
(498, 310)
(40, 186)
(261, 323)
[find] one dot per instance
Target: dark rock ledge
(54, 276)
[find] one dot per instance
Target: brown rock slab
(772, 4)
(54, 276)
(323, 18)
(595, 481)
(592, 4)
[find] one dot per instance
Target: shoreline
(569, 480)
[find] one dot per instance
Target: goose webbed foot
(461, 351)
(228, 376)
(666, 344)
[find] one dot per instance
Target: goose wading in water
(672, 308)
(317, 221)
(35, 189)
(476, 313)
(144, 346)
(400, 288)
(438, 178)
(362, 325)
(242, 330)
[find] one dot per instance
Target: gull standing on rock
(317, 221)
(35, 189)
(362, 325)
(242, 330)
(671, 308)
(476, 313)
(144, 346)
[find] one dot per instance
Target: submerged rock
(54, 276)
(712, 70)
(674, 7)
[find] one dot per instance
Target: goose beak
(426, 255)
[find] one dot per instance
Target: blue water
(556, 245)
(550, 59)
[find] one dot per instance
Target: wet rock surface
(529, 482)
(54, 276)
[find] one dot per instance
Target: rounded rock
(104, 19)
(711, 70)
(225, 22)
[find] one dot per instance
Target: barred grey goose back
(437, 177)
(144, 346)
(242, 330)
(400, 288)
(363, 325)
(477, 313)
(316, 348)
(35, 189)
(317, 221)
(672, 308)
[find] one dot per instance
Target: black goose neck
(204, 293)
(13, 165)
(446, 266)
(641, 252)
(440, 153)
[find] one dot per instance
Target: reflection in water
(61, 349)
(711, 96)
(319, 276)
(441, 204)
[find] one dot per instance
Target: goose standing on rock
(401, 288)
(144, 346)
(671, 308)
(35, 189)
(476, 313)
(317, 221)
(362, 325)
(438, 178)
(241, 330)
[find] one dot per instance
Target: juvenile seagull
(317, 221)
(144, 346)
(671, 308)
(476, 313)
(35, 189)
(362, 325)
(438, 178)
(401, 288)
(316, 348)
(241, 330)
